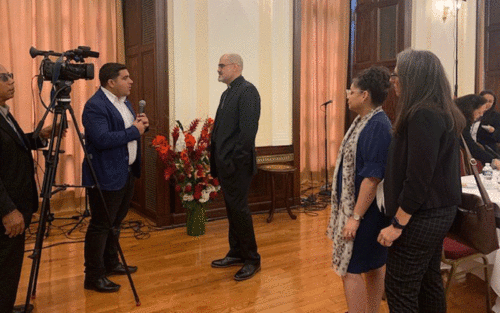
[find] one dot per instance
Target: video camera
(62, 69)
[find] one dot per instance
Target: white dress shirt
(473, 130)
(128, 120)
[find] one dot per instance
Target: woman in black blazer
(473, 108)
(422, 183)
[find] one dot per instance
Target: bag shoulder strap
(473, 164)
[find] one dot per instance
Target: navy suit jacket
(106, 141)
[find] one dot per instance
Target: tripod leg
(77, 224)
(36, 269)
(132, 286)
(51, 162)
(36, 261)
(36, 256)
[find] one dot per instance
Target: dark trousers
(11, 263)
(101, 250)
(242, 242)
(413, 280)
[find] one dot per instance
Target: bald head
(230, 67)
(236, 59)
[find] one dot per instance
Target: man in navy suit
(233, 161)
(18, 193)
(112, 138)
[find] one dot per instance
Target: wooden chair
(455, 254)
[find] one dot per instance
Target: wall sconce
(446, 12)
(447, 6)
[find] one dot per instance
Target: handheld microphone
(326, 103)
(142, 105)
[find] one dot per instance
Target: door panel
(492, 47)
(379, 30)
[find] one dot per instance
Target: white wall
(200, 31)
(430, 32)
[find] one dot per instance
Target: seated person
(473, 107)
(488, 134)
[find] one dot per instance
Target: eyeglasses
(5, 76)
(350, 92)
(394, 74)
(221, 66)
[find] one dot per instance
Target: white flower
(205, 196)
(187, 197)
(180, 144)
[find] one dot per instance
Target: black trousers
(101, 250)
(11, 263)
(242, 242)
(413, 280)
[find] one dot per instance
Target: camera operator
(18, 193)
(112, 133)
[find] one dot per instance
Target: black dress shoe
(20, 308)
(101, 285)
(120, 270)
(227, 262)
(247, 272)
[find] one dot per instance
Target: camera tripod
(80, 218)
(50, 216)
(62, 104)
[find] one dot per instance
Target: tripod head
(60, 98)
(62, 89)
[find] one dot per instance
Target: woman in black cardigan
(422, 183)
(489, 132)
(473, 107)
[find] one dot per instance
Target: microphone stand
(326, 191)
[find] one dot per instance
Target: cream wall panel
(430, 32)
(260, 31)
(282, 38)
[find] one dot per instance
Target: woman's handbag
(474, 224)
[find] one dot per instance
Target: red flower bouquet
(189, 165)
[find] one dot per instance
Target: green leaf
(180, 125)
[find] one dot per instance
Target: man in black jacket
(233, 161)
(18, 192)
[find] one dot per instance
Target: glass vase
(195, 218)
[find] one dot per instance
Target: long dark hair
(468, 104)
(490, 115)
(423, 84)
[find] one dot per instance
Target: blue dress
(371, 159)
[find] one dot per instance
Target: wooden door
(146, 59)
(380, 29)
(492, 47)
